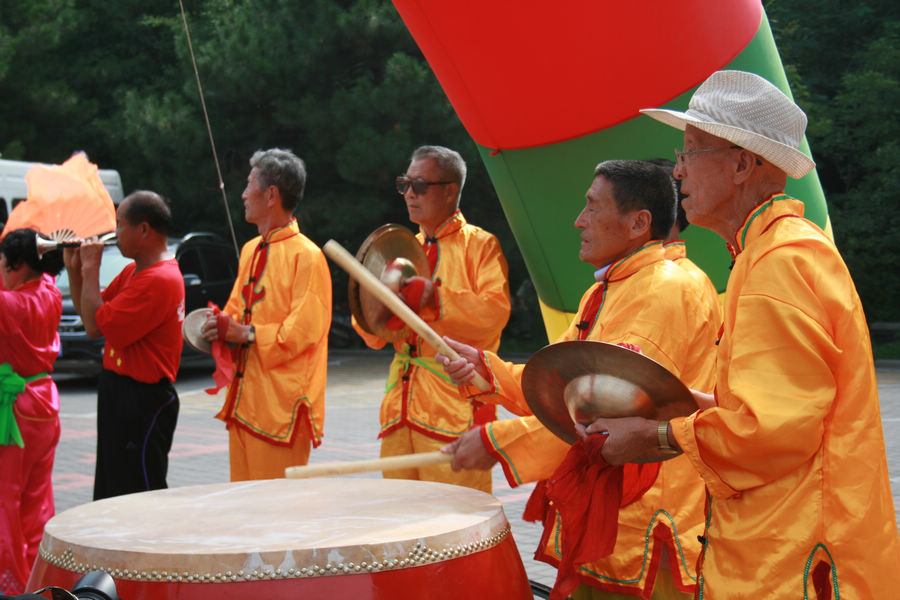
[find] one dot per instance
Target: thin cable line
(212, 142)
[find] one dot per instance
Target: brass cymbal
(580, 381)
(191, 328)
(391, 253)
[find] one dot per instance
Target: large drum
(281, 538)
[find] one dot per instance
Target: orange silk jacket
(793, 454)
(284, 370)
(473, 307)
(677, 252)
(657, 305)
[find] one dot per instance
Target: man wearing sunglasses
(466, 297)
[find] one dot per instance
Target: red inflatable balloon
(524, 74)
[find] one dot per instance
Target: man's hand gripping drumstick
(396, 305)
(466, 365)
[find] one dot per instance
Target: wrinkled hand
(630, 439)
(235, 333)
(91, 253)
(462, 369)
(210, 329)
(469, 452)
(72, 259)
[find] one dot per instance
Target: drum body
(273, 539)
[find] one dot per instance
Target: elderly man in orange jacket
(278, 317)
(676, 249)
(792, 453)
(642, 300)
(466, 295)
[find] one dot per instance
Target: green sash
(401, 362)
(11, 385)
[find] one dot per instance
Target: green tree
(341, 83)
(843, 59)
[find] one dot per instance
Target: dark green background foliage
(343, 84)
(843, 61)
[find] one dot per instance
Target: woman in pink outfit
(30, 307)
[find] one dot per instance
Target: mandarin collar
(282, 233)
(453, 224)
(675, 249)
(623, 268)
(761, 217)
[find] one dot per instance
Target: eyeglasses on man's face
(419, 186)
(679, 155)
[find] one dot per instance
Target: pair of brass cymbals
(391, 253)
(580, 381)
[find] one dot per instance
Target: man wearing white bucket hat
(792, 454)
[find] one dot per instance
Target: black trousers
(135, 426)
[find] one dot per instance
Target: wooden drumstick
(375, 286)
(404, 461)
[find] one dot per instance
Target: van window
(4, 202)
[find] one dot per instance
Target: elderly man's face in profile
(254, 197)
(127, 233)
(604, 229)
(704, 175)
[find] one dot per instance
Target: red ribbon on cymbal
(412, 295)
(587, 493)
(221, 353)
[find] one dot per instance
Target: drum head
(391, 253)
(586, 380)
(271, 529)
(192, 327)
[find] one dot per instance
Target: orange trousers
(251, 457)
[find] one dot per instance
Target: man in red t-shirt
(140, 314)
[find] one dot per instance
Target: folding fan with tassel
(65, 202)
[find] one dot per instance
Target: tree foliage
(342, 83)
(843, 60)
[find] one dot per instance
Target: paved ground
(355, 384)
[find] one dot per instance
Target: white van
(14, 190)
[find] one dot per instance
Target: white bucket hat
(750, 112)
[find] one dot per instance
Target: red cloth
(589, 315)
(221, 353)
(587, 492)
(141, 320)
(482, 413)
(412, 296)
(29, 342)
(431, 251)
(632, 347)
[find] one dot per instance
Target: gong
(391, 253)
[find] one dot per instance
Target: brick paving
(355, 383)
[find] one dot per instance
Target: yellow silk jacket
(473, 307)
(793, 455)
(284, 370)
(657, 305)
(677, 252)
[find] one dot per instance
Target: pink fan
(65, 202)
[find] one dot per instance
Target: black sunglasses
(419, 186)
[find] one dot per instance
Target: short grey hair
(449, 162)
(640, 185)
(283, 169)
